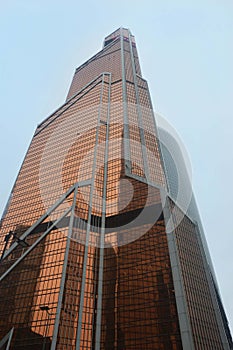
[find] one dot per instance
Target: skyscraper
(102, 244)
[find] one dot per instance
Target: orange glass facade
(87, 259)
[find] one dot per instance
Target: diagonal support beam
(7, 340)
(34, 244)
(41, 219)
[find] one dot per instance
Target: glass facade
(87, 259)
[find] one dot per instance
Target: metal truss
(23, 237)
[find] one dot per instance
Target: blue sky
(186, 54)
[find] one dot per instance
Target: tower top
(125, 32)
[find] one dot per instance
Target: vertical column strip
(63, 278)
(81, 304)
(211, 282)
(102, 234)
(139, 112)
(157, 138)
(125, 112)
(181, 303)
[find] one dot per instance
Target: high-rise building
(102, 245)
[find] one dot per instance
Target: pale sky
(186, 54)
